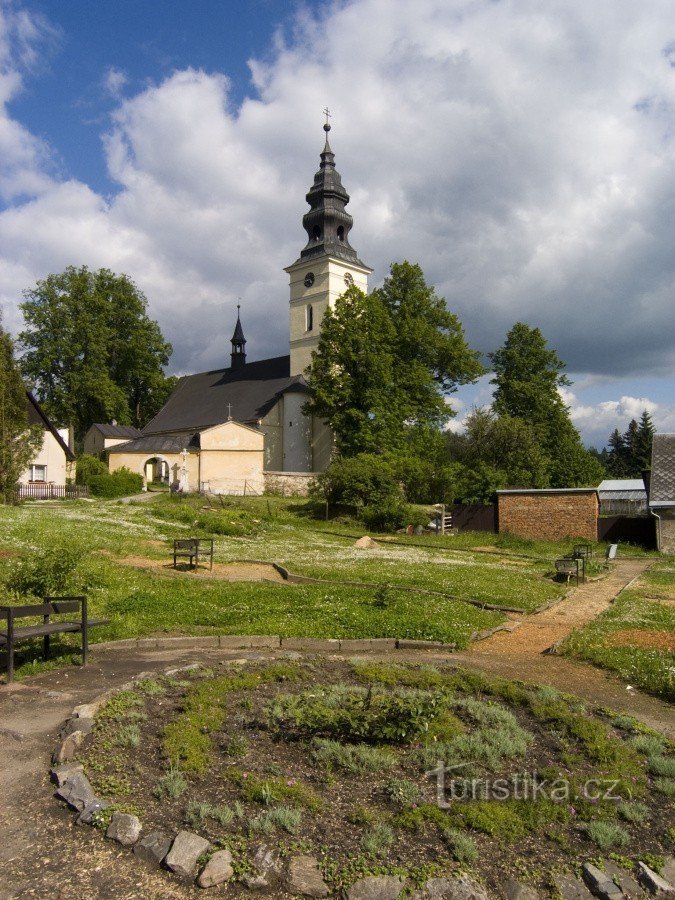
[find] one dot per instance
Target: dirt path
(538, 632)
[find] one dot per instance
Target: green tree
(19, 442)
(384, 364)
(630, 453)
(91, 351)
(642, 453)
(528, 375)
(431, 353)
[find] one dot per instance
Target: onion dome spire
(238, 355)
(328, 223)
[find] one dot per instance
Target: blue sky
(523, 154)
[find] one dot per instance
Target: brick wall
(549, 516)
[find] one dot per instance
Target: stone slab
(185, 851)
(352, 645)
(124, 828)
(304, 877)
(376, 887)
(153, 847)
(238, 641)
(310, 644)
(217, 870)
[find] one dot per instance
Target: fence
(474, 517)
(629, 529)
(51, 491)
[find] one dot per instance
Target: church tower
(238, 355)
(328, 264)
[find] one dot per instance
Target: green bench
(10, 635)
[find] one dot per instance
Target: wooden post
(85, 633)
(45, 641)
(10, 645)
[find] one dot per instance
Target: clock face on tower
(349, 279)
(309, 279)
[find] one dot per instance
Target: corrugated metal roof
(159, 443)
(622, 484)
(662, 487)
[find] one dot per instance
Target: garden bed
(331, 758)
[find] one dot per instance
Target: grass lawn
(635, 637)
(482, 567)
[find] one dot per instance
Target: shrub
(403, 792)
(171, 785)
(388, 514)
(461, 846)
(48, 573)
(378, 840)
(352, 757)
(634, 812)
(363, 480)
(665, 786)
(607, 835)
(662, 765)
(87, 467)
(121, 483)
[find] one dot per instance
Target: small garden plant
(381, 768)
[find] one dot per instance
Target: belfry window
(309, 317)
(341, 233)
(316, 232)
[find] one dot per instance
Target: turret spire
(328, 223)
(238, 355)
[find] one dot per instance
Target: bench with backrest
(192, 549)
(567, 568)
(10, 635)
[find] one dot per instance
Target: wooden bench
(50, 607)
(568, 568)
(192, 549)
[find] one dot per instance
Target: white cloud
(522, 153)
(596, 421)
(114, 81)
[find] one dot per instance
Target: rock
(304, 877)
(88, 813)
(153, 847)
(514, 890)
(462, 888)
(83, 725)
(266, 868)
(218, 869)
(669, 869)
(365, 543)
(654, 883)
(419, 529)
(571, 888)
(376, 887)
(600, 884)
(124, 828)
(185, 851)
(624, 879)
(77, 792)
(87, 710)
(68, 747)
(61, 774)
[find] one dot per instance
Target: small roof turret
(238, 355)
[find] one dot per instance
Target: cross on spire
(329, 115)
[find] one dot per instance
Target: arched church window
(316, 232)
(309, 317)
(341, 233)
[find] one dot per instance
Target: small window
(309, 318)
(316, 232)
(38, 473)
(341, 233)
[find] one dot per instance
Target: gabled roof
(36, 416)
(117, 431)
(245, 394)
(158, 443)
(623, 489)
(662, 486)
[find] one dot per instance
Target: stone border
(277, 642)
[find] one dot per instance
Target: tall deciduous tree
(385, 362)
(91, 351)
(19, 442)
(528, 375)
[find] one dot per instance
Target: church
(242, 429)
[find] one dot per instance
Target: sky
(521, 152)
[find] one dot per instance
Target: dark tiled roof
(118, 431)
(36, 416)
(209, 398)
(159, 443)
(662, 485)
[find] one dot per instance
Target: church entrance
(157, 473)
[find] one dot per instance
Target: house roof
(662, 486)
(548, 491)
(246, 394)
(158, 443)
(37, 416)
(622, 489)
(117, 431)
